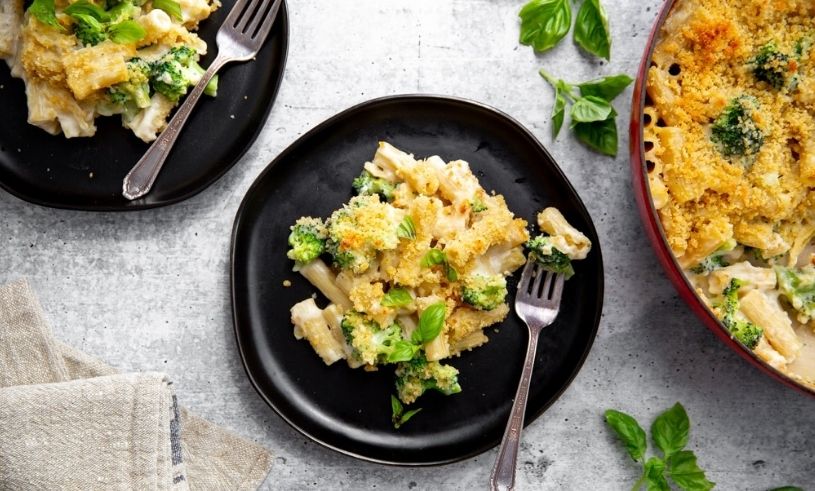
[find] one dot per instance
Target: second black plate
(349, 410)
(87, 173)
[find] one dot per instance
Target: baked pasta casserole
(416, 268)
(730, 154)
(81, 59)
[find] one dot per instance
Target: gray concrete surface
(149, 290)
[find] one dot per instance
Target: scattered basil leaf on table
(544, 23)
(126, 32)
(45, 12)
(600, 136)
(787, 488)
(590, 109)
(171, 7)
(607, 88)
(670, 433)
(670, 430)
(558, 110)
(629, 432)
(396, 297)
(591, 29)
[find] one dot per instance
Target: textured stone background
(150, 290)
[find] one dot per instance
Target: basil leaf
(670, 430)
(402, 351)
(45, 12)
(406, 230)
(431, 321)
(405, 417)
(558, 111)
(654, 474)
(787, 488)
(396, 297)
(126, 32)
(606, 88)
(686, 473)
(172, 8)
(452, 274)
(396, 407)
(84, 7)
(590, 109)
(416, 336)
(544, 23)
(600, 136)
(433, 257)
(591, 29)
(629, 432)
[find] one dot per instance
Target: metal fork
(239, 39)
(537, 307)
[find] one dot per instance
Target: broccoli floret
(743, 331)
(418, 375)
(797, 285)
(735, 131)
(88, 30)
(548, 256)
(778, 69)
(307, 240)
(135, 93)
(366, 183)
(716, 260)
(484, 292)
(176, 71)
(361, 228)
(477, 206)
(373, 344)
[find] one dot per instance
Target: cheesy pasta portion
(81, 59)
(728, 129)
(418, 265)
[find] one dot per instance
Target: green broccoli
(548, 256)
(176, 71)
(307, 240)
(373, 344)
(742, 330)
(88, 30)
(716, 260)
(418, 375)
(366, 183)
(735, 132)
(359, 230)
(477, 205)
(797, 285)
(778, 69)
(484, 292)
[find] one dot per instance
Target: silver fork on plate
(239, 39)
(537, 307)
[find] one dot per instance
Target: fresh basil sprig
(670, 434)
(591, 29)
(171, 7)
(399, 415)
(406, 229)
(126, 32)
(436, 257)
(544, 23)
(45, 12)
(592, 115)
(84, 7)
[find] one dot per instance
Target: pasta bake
(728, 129)
(416, 268)
(81, 59)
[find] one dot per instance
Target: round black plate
(87, 173)
(349, 410)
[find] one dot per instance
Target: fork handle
(141, 177)
(503, 473)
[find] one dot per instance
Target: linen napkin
(69, 421)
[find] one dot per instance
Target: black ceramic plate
(349, 410)
(87, 173)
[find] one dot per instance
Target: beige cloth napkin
(69, 421)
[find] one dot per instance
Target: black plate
(87, 173)
(349, 410)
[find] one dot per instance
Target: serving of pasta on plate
(728, 128)
(415, 267)
(81, 59)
